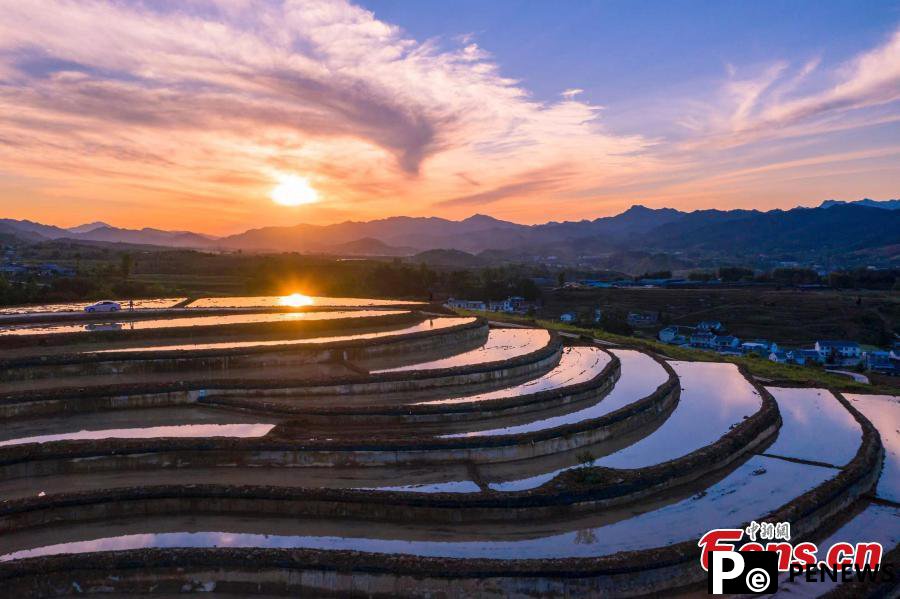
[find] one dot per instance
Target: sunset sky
(185, 114)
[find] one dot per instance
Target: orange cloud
(184, 115)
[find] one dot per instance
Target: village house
(512, 305)
(567, 317)
(761, 347)
(713, 326)
(895, 351)
(779, 356)
(500, 306)
(846, 353)
(676, 334)
(642, 319)
(726, 343)
(805, 357)
(465, 304)
(702, 339)
(882, 363)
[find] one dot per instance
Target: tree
(734, 273)
(127, 264)
(561, 278)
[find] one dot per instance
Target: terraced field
(366, 448)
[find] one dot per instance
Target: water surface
(432, 324)
(576, 365)
(714, 397)
(151, 432)
(883, 411)
(595, 411)
(501, 344)
(271, 301)
(191, 321)
(749, 492)
(142, 304)
(814, 426)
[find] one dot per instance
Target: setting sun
(296, 300)
(293, 191)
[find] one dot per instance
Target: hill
(857, 231)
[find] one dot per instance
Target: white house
(842, 352)
(676, 335)
(779, 356)
(465, 304)
(500, 306)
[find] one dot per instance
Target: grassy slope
(785, 374)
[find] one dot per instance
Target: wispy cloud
(150, 107)
(294, 85)
(782, 101)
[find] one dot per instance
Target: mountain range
(835, 227)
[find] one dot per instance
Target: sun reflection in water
(296, 300)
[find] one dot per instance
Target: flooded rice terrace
(505, 454)
(184, 322)
(295, 300)
(138, 304)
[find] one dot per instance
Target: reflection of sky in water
(501, 344)
(883, 411)
(268, 301)
(453, 486)
(601, 359)
(428, 325)
(751, 491)
(142, 304)
(178, 430)
(714, 397)
(814, 427)
(577, 365)
(194, 321)
(698, 420)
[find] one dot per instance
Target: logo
(736, 565)
(742, 572)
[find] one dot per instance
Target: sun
(296, 300)
(293, 191)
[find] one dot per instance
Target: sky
(191, 115)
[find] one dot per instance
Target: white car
(104, 306)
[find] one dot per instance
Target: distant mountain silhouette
(87, 227)
(833, 228)
(34, 232)
(886, 204)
